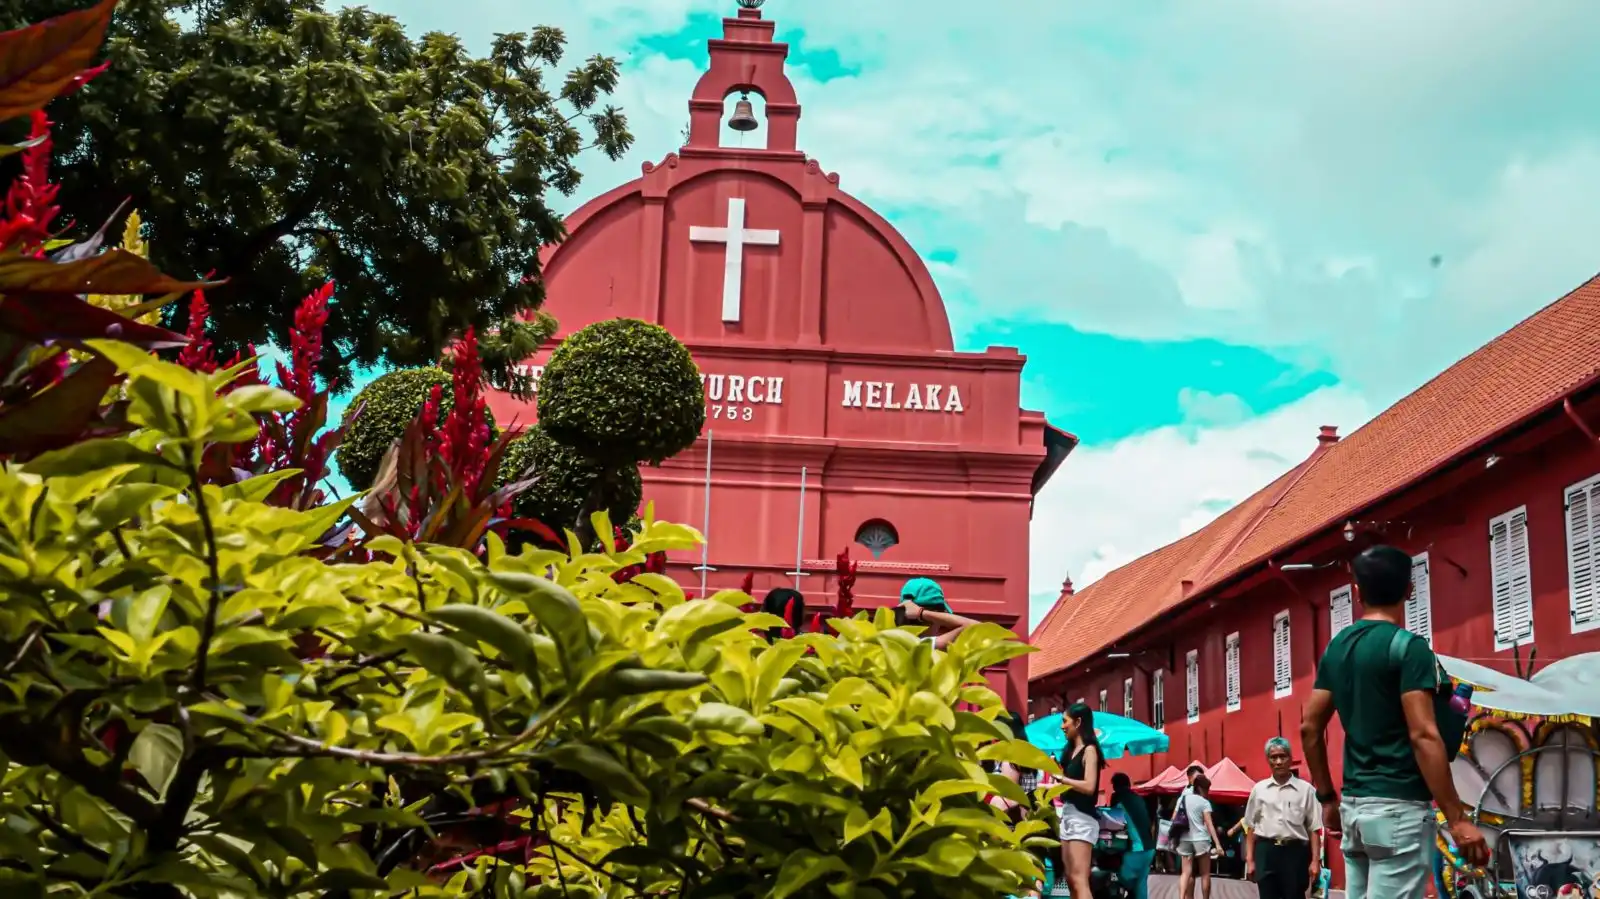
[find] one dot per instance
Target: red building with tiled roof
(1489, 475)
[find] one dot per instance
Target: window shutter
(1341, 610)
(1102, 700)
(1419, 608)
(1158, 704)
(1282, 669)
(1583, 553)
(1232, 662)
(1127, 697)
(1513, 590)
(1192, 666)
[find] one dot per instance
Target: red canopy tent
(1153, 785)
(1228, 782)
(1171, 782)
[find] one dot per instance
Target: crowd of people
(1393, 701)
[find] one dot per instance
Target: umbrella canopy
(1569, 686)
(1228, 782)
(1118, 736)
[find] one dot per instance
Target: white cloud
(1255, 172)
(1109, 505)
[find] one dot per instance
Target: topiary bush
(387, 406)
(567, 481)
(623, 390)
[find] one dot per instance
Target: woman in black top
(1080, 829)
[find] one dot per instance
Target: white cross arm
(735, 237)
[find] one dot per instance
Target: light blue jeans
(1388, 847)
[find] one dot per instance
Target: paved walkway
(1165, 886)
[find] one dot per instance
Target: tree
(566, 481)
(624, 391)
(282, 145)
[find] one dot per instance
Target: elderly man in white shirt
(1283, 830)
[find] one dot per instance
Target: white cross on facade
(736, 236)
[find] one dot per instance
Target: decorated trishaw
(1529, 773)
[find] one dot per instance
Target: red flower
(462, 440)
(32, 196)
(198, 355)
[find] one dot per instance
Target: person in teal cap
(922, 602)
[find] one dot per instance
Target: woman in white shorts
(1199, 844)
(1080, 829)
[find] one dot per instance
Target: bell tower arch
(746, 60)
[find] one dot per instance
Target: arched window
(877, 536)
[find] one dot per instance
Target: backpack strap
(1398, 644)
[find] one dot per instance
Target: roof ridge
(1290, 479)
(1507, 334)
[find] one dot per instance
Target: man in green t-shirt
(1395, 762)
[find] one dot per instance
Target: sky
(1211, 225)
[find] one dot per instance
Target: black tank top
(1074, 770)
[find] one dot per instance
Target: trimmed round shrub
(565, 481)
(388, 406)
(625, 391)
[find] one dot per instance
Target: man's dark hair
(1383, 574)
(1195, 769)
(786, 604)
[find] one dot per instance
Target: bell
(744, 116)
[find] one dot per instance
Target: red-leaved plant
(437, 484)
(292, 441)
(54, 390)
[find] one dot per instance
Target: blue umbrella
(1119, 736)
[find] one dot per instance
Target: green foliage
(285, 143)
(566, 482)
(386, 407)
(624, 390)
(163, 731)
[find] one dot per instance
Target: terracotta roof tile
(1101, 613)
(1518, 374)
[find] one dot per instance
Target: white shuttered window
(1158, 699)
(1192, 669)
(1512, 588)
(1282, 669)
(1583, 553)
(1235, 700)
(1103, 701)
(1127, 697)
(1341, 611)
(1419, 608)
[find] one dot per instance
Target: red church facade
(1489, 476)
(838, 412)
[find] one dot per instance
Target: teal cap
(926, 593)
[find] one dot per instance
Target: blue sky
(1211, 226)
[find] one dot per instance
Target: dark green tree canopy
(569, 484)
(624, 390)
(281, 144)
(382, 411)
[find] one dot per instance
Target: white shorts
(1194, 848)
(1076, 827)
